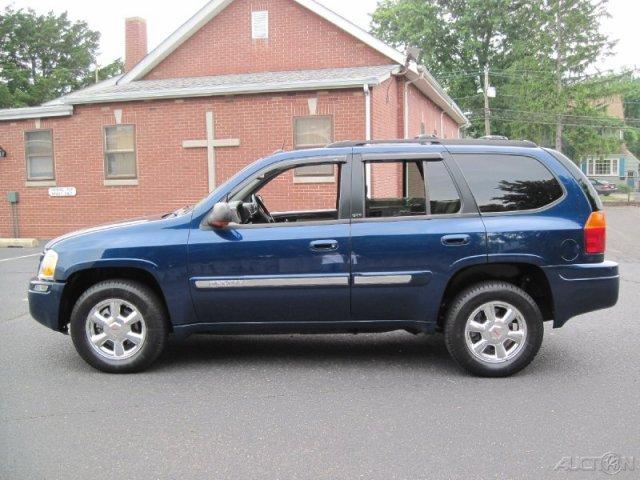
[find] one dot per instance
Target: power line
(590, 117)
(550, 123)
(513, 114)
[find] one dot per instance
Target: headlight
(48, 265)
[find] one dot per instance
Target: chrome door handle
(324, 246)
(456, 240)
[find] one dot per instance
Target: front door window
(272, 197)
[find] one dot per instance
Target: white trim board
(36, 112)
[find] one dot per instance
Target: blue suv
(483, 240)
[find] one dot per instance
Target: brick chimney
(135, 42)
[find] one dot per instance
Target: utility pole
(559, 68)
(487, 110)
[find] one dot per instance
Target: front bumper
(44, 303)
(582, 288)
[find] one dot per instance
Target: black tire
(476, 296)
(149, 306)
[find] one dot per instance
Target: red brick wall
(388, 123)
(298, 40)
(386, 178)
(169, 175)
(423, 110)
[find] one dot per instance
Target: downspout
(367, 132)
(442, 124)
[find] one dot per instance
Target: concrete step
(19, 242)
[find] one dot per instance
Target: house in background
(620, 167)
(237, 81)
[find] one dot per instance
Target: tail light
(595, 234)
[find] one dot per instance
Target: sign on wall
(260, 25)
(62, 192)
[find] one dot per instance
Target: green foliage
(538, 51)
(632, 113)
(43, 56)
(114, 68)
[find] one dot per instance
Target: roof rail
(424, 140)
(362, 143)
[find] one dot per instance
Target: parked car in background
(481, 240)
(603, 187)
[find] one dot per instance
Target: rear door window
(398, 189)
(443, 194)
(509, 183)
(395, 189)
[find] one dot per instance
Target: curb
(18, 242)
(621, 204)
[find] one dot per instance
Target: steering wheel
(261, 208)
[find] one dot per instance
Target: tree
(539, 53)
(44, 56)
(632, 114)
(458, 38)
(98, 74)
(566, 41)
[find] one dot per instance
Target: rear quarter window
(579, 176)
(508, 183)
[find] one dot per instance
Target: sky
(164, 17)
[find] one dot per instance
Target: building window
(313, 132)
(604, 167)
(120, 152)
(39, 152)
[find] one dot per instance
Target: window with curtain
(39, 152)
(313, 132)
(120, 152)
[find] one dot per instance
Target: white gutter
(406, 105)
(36, 112)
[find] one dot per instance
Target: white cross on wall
(211, 144)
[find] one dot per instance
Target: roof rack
(424, 140)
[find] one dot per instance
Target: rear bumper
(582, 288)
(44, 302)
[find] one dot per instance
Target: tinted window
(581, 178)
(442, 191)
(505, 183)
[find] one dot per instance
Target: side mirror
(222, 215)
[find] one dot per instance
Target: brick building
(240, 79)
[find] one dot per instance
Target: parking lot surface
(389, 406)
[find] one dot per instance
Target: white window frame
(613, 170)
(115, 179)
(31, 179)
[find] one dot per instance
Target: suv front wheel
(119, 326)
(494, 329)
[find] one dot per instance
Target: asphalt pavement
(386, 406)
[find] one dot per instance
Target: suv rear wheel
(493, 329)
(119, 326)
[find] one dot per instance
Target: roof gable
(215, 7)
